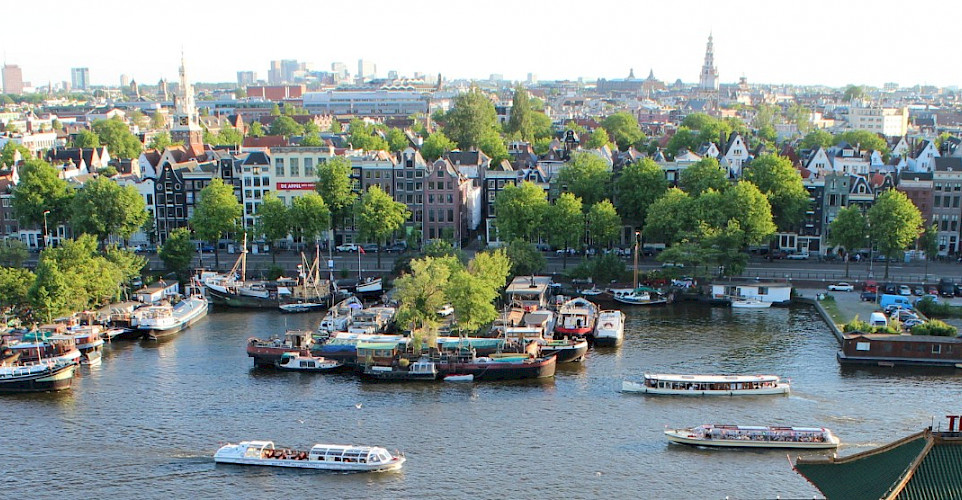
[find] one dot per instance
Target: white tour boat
(333, 457)
(298, 362)
(751, 436)
(707, 385)
(749, 303)
(610, 329)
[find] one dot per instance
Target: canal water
(146, 422)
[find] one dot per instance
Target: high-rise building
(283, 71)
(340, 71)
(366, 70)
(245, 78)
(709, 73)
(80, 78)
(124, 81)
(12, 79)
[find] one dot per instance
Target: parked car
(673, 264)
(136, 282)
(911, 323)
(395, 248)
(932, 290)
(933, 298)
(347, 247)
(869, 296)
(890, 288)
(905, 290)
(446, 311)
(958, 290)
(918, 291)
(903, 315)
(870, 286)
(797, 256)
(370, 247)
(946, 287)
(841, 287)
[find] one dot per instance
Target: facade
(80, 78)
(9, 227)
(12, 79)
(493, 182)
(176, 191)
(374, 103)
(946, 199)
(445, 190)
(35, 142)
(890, 122)
(275, 92)
(245, 78)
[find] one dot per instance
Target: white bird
(300, 421)
(358, 406)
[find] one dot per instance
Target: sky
(833, 43)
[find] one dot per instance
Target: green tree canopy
(256, 130)
(623, 129)
(669, 216)
(49, 295)
(525, 258)
(396, 140)
(273, 221)
(41, 189)
(470, 119)
(564, 223)
(285, 126)
(638, 186)
(309, 217)
(178, 251)
(421, 294)
(9, 152)
(521, 120)
(849, 230)
(683, 139)
(520, 211)
(379, 216)
(817, 138)
(895, 224)
(863, 139)
(493, 145)
(102, 208)
(13, 252)
(702, 176)
(15, 284)
(216, 213)
(336, 188)
(86, 139)
(604, 224)
(436, 146)
(853, 92)
(161, 140)
(587, 176)
(776, 177)
(597, 139)
(116, 135)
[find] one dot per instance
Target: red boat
(576, 317)
(268, 352)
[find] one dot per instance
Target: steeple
(185, 127)
(709, 73)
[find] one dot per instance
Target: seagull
(300, 421)
(358, 406)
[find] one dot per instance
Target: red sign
(295, 186)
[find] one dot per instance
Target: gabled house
(735, 155)
(947, 203)
(847, 159)
(923, 158)
(707, 150)
(899, 147)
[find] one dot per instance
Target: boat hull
(634, 387)
(57, 378)
(570, 353)
(540, 368)
(302, 307)
(271, 356)
(228, 299)
(314, 464)
(186, 322)
(682, 436)
(607, 341)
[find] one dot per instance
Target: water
(146, 422)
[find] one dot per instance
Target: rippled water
(146, 422)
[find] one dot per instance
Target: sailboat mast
(244, 260)
(635, 283)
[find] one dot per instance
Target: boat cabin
(298, 339)
(157, 292)
(530, 292)
(765, 291)
(889, 350)
(359, 454)
(377, 353)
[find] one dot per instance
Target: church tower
(185, 127)
(709, 73)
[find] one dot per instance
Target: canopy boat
(749, 303)
(269, 352)
(742, 436)
(609, 329)
(37, 376)
(298, 362)
(165, 320)
(335, 457)
(576, 317)
(707, 385)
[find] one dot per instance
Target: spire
(709, 73)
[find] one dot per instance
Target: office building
(12, 79)
(80, 78)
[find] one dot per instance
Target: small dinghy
(459, 378)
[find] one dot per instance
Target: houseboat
(164, 320)
(576, 317)
(295, 361)
(37, 376)
(771, 292)
(520, 328)
(751, 436)
(334, 457)
(900, 350)
(707, 385)
(89, 342)
(421, 370)
(344, 346)
(269, 352)
(609, 329)
(495, 367)
(40, 346)
(529, 292)
(339, 317)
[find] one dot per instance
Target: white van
(878, 319)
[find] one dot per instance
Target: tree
(817, 138)
(472, 116)
(436, 146)
(396, 140)
(895, 224)
(12, 153)
(702, 176)
(273, 221)
(604, 224)
(521, 120)
(638, 186)
(420, 294)
(310, 217)
(379, 216)
(565, 224)
(49, 295)
(853, 92)
(312, 140)
(311, 128)
(177, 251)
(15, 284)
(586, 176)
(90, 278)
(493, 145)
(669, 216)
(276, 110)
(102, 208)
(336, 188)
(86, 139)
(520, 211)
(598, 139)
(127, 263)
(929, 243)
(256, 130)
(157, 121)
(215, 214)
(161, 141)
(683, 139)
(41, 189)
(492, 267)
(115, 134)
(285, 126)
(335, 127)
(864, 140)
(623, 129)
(229, 135)
(13, 252)
(525, 258)
(776, 177)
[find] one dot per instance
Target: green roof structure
(926, 465)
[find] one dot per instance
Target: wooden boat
(576, 317)
(269, 352)
(749, 303)
(37, 376)
(707, 385)
(297, 362)
(609, 329)
(310, 292)
(741, 436)
(302, 307)
(335, 457)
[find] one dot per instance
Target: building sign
(295, 186)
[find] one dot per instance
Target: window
(279, 166)
(367, 174)
(431, 215)
(450, 198)
(863, 346)
(309, 167)
(441, 174)
(763, 290)
(418, 174)
(295, 167)
(431, 199)
(450, 215)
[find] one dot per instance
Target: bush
(931, 308)
(936, 328)
(274, 272)
(857, 325)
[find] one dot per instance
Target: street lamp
(45, 233)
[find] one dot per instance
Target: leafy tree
(229, 135)
(335, 127)
(157, 121)
(853, 92)
(285, 126)
(473, 115)
(50, 294)
(849, 230)
(586, 176)
(240, 93)
(13, 252)
(817, 138)
(442, 248)
(9, 153)
(436, 146)
(215, 214)
(929, 243)
(91, 279)
(669, 216)
(702, 176)
(520, 210)
(256, 130)
(747, 205)
(102, 208)
(578, 129)
(115, 134)
(683, 139)
(275, 110)
(776, 177)
(335, 187)
(312, 140)
(310, 217)
(40, 190)
(638, 186)
(521, 120)
(492, 267)
(396, 139)
(137, 117)
(525, 258)
(15, 284)
(420, 295)
(598, 139)
(542, 126)
(310, 128)
(623, 129)
(178, 251)
(161, 141)
(895, 224)
(801, 117)
(379, 216)
(86, 139)
(864, 140)
(604, 224)
(472, 292)
(127, 263)
(493, 146)
(565, 223)
(273, 221)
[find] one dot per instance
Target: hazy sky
(811, 42)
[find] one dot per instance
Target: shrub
(857, 325)
(936, 328)
(275, 272)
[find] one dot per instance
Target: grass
(832, 309)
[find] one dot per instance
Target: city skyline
(823, 43)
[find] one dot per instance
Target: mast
(244, 260)
(635, 283)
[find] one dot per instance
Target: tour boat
(164, 320)
(576, 317)
(707, 385)
(609, 329)
(640, 296)
(750, 436)
(334, 457)
(749, 303)
(37, 376)
(269, 352)
(299, 362)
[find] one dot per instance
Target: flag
(361, 249)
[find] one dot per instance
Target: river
(146, 422)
